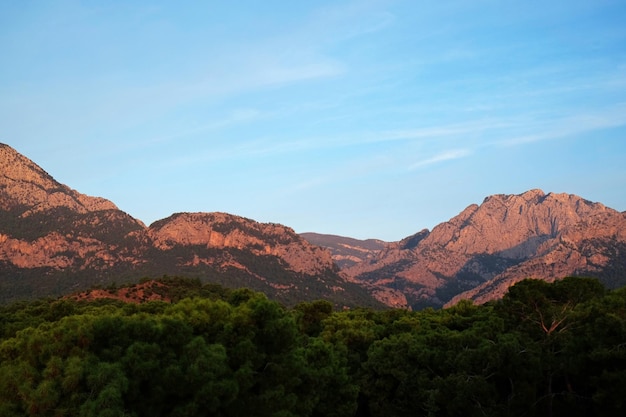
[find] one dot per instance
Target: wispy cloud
(457, 130)
(341, 22)
(440, 157)
(571, 125)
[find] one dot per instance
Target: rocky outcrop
(488, 247)
(27, 188)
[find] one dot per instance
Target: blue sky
(369, 119)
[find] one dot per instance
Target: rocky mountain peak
(533, 196)
(517, 224)
(488, 247)
(27, 188)
(14, 166)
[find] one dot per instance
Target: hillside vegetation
(545, 349)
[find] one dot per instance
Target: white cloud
(572, 125)
(441, 157)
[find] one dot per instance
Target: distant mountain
(239, 252)
(346, 251)
(54, 240)
(487, 248)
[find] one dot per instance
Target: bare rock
(23, 184)
(479, 253)
(221, 230)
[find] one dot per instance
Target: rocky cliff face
(222, 230)
(54, 240)
(488, 247)
(45, 224)
(27, 189)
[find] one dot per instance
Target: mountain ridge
(31, 186)
(484, 241)
(54, 239)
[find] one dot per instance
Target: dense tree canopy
(546, 349)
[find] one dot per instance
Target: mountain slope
(492, 245)
(27, 189)
(346, 251)
(54, 240)
(235, 251)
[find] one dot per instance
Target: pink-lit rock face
(48, 228)
(60, 239)
(26, 190)
(24, 184)
(499, 242)
(48, 225)
(221, 230)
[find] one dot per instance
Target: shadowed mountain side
(597, 257)
(346, 251)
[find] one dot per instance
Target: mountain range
(55, 240)
(486, 248)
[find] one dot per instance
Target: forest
(545, 349)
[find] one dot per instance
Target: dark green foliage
(310, 316)
(122, 253)
(64, 220)
(546, 349)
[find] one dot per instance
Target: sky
(367, 119)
